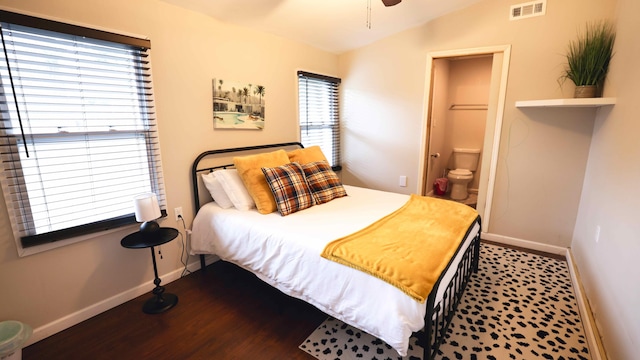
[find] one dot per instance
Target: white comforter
(285, 252)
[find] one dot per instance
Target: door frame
(493, 128)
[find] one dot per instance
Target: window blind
(319, 114)
(78, 134)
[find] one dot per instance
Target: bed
(284, 251)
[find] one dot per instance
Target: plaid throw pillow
(289, 188)
(324, 182)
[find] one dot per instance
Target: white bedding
(285, 253)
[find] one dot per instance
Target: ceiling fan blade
(391, 2)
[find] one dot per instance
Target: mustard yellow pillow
(306, 155)
(250, 171)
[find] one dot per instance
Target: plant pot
(585, 91)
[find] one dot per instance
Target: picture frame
(238, 105)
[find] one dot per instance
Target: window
(78, 136)
(319, 114)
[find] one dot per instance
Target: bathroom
(460, 96)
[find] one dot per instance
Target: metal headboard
(196, 169)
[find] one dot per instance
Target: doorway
(435, 152)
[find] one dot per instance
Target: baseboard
(588, 321)
(77, 317)
(551, 249)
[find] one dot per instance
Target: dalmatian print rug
(518, 306)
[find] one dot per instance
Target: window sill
(32, 250)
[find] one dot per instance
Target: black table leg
(161, 302)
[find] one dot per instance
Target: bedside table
(140, 240)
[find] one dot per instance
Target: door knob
(436, 155)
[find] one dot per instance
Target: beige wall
(609, 268)
(543, 154)
(469, 84)
(188, 50)
(547, 156)
(457, 82)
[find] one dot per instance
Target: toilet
(464, 162)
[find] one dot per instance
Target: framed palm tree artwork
(238, 105)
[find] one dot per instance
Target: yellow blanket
(410, 247)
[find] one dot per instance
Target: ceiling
(332, 25)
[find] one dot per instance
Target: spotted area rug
(518, 306)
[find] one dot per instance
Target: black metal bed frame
(438, 316)
(195, 170)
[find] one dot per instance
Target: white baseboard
(591, 331)
(79, 316)
(588, 321)
(532, 245)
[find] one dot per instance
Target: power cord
(183, 253)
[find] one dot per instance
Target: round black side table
(140, 240)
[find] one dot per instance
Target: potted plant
(588, 58)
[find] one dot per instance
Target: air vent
(527, 10)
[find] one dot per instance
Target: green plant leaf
(588, 57)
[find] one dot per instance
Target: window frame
(31, 244)
(334, 115)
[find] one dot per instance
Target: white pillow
(234, 188)
(216, 190)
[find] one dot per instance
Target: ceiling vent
(527, 10)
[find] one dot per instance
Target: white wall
(609, 268)
(188, 51)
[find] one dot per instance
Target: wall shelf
(584, 102)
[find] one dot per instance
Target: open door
(434, 137)
(435, 87)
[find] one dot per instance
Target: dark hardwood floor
(222, 313)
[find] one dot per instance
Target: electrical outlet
(402, 181)
(178, 212)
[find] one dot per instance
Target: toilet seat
(460, 172)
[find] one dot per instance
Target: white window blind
(78, 135)
(319, 114)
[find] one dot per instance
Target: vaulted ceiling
(332, 25)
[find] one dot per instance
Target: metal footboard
(439, 316)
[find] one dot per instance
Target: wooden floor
(222, 313)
